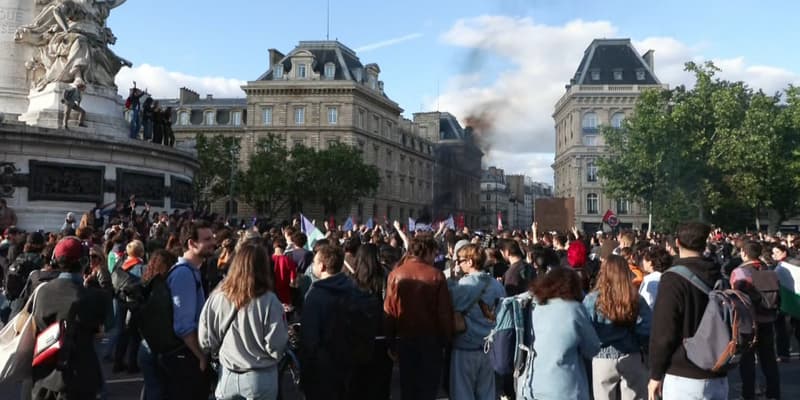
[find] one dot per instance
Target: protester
(655, 261)
(564, 338)
(8, 217)
(621, 319)
(72, 102)
(419, 313)
(243, 323)
(519, 273)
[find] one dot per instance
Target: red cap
(69, 250)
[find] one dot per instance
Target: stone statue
(71, 42)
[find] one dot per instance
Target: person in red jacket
(285, 273)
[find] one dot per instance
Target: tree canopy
(719, 151)
(217, 156)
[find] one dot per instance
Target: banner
(610, 218)
(312, 233)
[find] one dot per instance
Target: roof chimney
(188, 96)
(648, 58)
(275, 56)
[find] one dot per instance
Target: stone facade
(603, 92)
(318, 94)
(457, 169)
(493, 198)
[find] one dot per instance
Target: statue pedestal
(104, 110)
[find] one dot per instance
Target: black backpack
(356, 321)
(127, 287)
(18, 273)
(153, 311)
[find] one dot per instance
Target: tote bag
(17, 340)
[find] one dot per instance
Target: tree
(718, 148)
(217, 157)
(268, 179)
(339, 177)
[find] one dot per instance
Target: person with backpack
(125, 278)
(73, 372)
(186, 369)
(242, 322)
(678, 310)
(18, 271)
(330, 324)
(475, 296)
(621, 318)
(763, 287)
(519, 273)
(419, 319)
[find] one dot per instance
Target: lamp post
(234, 154)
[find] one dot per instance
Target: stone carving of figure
(71, 42)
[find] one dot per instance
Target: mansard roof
(324, 51)
(604, 57)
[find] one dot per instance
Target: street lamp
(234, 155)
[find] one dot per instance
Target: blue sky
(458, 55)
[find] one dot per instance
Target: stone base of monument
(104, 110)
(60, 171)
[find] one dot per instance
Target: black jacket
(676, 316)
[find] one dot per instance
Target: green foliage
(718, 150)
(279, 180)
(217, 155)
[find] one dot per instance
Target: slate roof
(324, 51)
(605, 56)
(449, 128)
(237, 102)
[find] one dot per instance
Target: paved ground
(128, 387)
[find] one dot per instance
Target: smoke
(480, 121)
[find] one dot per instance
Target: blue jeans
(136, 123)
(471, 375)
(260, 384)
(147, 124)
(150, 372)
(680, 388)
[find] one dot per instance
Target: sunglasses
(461, 260)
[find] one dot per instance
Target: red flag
(610, 218)
(331, 222)
(460, 221)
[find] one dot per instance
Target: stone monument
(46, 46)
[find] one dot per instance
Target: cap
(69, 250)
(461, 243)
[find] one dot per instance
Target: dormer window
(617, 74)
(595, 75)
(209, 118)
(277, 71)
(330, 70)
(373, 82)
(639, 74)
(301, 71)
(183, 118)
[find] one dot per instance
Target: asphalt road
(128, 387)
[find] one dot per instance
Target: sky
(511, 56)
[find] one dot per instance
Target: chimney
(188, 96)
(209, 97)
(274, 57)
(648, 58)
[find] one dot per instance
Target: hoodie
(319, 308)
(677, 313)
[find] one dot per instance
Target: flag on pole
(789, 277)
(412, 225)
(499, 221)
(370, 223)
(450, 223)
(348, 224)
(610, 218)
(460, 221)
(312, 233)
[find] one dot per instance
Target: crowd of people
(150, 118)
(200, 308)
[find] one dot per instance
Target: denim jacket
(464, 293)
(617, 341)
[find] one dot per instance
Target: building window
(184, 118)
(592, 205)
(330, 70)
(298, 142)
(618, 75)
(236, 118)
(333, 115)
(639, 74)
(267, 117)
(617, 119)
(376, 122)
(590, 140)
(301, 71)
(209, 118)
(277, 71)
(361, 119)
(623, 206)
(591, 171)
(299, 115)
(488, 197)
(595, 75)
(590, 122)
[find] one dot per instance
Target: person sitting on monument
(72, 101)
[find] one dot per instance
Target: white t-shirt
(649, 288)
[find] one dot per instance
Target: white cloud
(387, 43)
(518, 103)
(165, 84)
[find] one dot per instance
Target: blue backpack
(512, 335)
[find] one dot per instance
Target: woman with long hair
(565, 340)
(621, 318)
(372, 380)
(243, 323)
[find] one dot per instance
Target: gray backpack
(727, 330)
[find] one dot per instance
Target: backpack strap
(690, 276)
